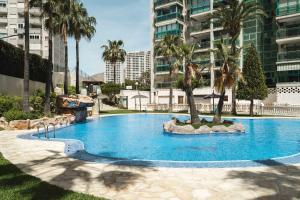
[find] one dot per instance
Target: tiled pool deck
(274, 179)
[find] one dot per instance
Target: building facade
(276, 38)
(12, 27)
(136, 64)
(109, 72)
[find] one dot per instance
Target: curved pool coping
(75, 149)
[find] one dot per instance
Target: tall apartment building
(12, 23)
(136, 63)
(275, 37)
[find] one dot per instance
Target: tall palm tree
(26, 58)
(192, 70)
(48, 10)
(113, 53)
(167, 48)
(225, 77)
(232, 15)
(81, 26)
(61, 26)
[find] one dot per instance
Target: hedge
(12, 63)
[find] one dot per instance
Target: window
(2, 5)
(180, 99)
(21, 26)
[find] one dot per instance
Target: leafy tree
(253, 86)
(111, 89)
(231, 16)
(113, 53)
(167, 48)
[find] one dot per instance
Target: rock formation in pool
(177, 127)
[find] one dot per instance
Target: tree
(167, 48)
(48, 10)
(81, 25)
(26, 59)
(231, 16)
(192, 72)
(225, 76)
(113, 53)
(254, 84)
(111, 89)
(62, 27)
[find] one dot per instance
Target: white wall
(14, 86)
(288, 93)
(134, 104)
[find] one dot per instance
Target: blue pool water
(142, 137)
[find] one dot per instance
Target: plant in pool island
(113, 53)
(226, 75)
(168, 48)
(253, 86)
(231, 16)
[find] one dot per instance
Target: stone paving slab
(47, 161)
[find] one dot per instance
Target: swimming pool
(141, 137)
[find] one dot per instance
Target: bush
(71, 90)
(12, 63)
(37, 101)
(20, 115)
(8, 103)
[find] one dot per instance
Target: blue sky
(128, 20)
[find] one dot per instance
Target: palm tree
(192, 70)
(225, 77)
(167, 48)
(62, 27)
(48, 10)
(26, 58)
(81, 26)
(232, 15)
(113, 53)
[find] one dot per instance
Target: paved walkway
(47, 161)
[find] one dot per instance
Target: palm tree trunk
(26, 59)
(193, 111)
(171, 98)
(251, 107)
(77, 67)
(217, 117)
(114, 66)
(66, 63)
(47, 108)
(233, 103)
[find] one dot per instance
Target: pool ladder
(46, 129)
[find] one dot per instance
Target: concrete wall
(288, 93)
(14, 86)
(132, 103)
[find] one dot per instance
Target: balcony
(3, 10)
(164, 85)
(164, 68)
(199, 27)
(288, 32)
(288, 56)
(200, 8)
(164, 2)
(170, 16)
(202, 60)
(288, 8)
(202, 45)
(160, 35)
(3, 20)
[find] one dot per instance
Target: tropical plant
(113, 53)
(81, 25)
(192, 71)
(231, 16)
(61, 26)
(168, 48)
(48, 10)
(225, 76)
(254, 84)
(26, 59)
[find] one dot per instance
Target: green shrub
(20, 115)
(12, 63)
(9, 102)
(71, 90)
(37, 101)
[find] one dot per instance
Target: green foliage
(71, 90)
(9, 102)
(37, 101)
(111, 89)
(254, 84)
(141, 85)
(20, 115)
(196, 83)
(12, 63)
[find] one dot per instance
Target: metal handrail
(50, 124)
(39, 126)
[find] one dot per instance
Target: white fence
(273, 110)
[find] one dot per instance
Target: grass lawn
(14, 185)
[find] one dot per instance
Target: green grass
(15, 185)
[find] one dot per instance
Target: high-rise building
(12, 30)
(136, 64)
(276, 38)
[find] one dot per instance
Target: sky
(128, 20)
